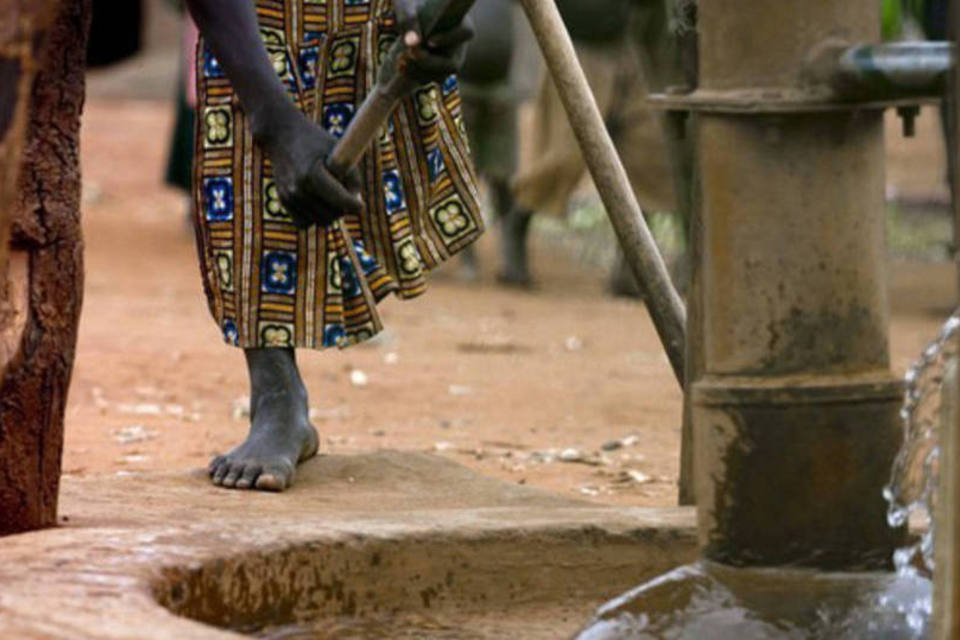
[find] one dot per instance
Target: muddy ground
(564, 388)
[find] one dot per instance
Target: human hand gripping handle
(408, 22)
(432, 45)
(299, 151)
(297, 148)
(447, 31)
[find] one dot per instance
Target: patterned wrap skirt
(270, 284)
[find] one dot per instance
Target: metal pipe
(892, 71)
(665, 306)
(952, 116)
(796, 412)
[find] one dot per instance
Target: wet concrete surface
(386, 532)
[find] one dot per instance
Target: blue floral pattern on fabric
(218, 199)
(230, 333)
(435, 164)
(367, 262)
(333, 335)
(211, 66)
(449, 85)
(336, 117)
(309, 57)
(348, 279)
(279, 272)
(393, 191)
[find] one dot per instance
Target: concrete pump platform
(382, 538)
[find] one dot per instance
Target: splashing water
(706, 600)
(912, 492)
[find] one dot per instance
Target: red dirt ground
(491, 378)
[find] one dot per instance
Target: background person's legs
(490, 115)
(556, 167)
(650, 63)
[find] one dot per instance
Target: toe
(234, 474)
(311, 446)
(249, 478)
(215, 464)
(220, 473)
(275, 477)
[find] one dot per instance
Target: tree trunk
(40, 303)
(21, 35)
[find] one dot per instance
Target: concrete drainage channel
(528, 582)
(378, 545)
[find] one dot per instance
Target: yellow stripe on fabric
(339, 92)
(270, 13)
(399, 225)
(356, 312)
(381, 281)
(273, 306)
(284, 236)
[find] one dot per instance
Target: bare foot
(281, 436)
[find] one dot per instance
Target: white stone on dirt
(133, 433)
(358, 378)
(638, 476)
(241, 408)
(141, 409)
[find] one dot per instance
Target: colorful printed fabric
(270, 284)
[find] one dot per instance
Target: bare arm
(297, 147)
(231, 30)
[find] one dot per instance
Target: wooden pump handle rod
(665, 306)
(435, 16)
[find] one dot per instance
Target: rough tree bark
(22, 29)
(40, 302)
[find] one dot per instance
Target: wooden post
(946, 605)
(42, 288)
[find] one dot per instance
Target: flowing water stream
(912, 491)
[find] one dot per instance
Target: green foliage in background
(891, 18)
(894, 12)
